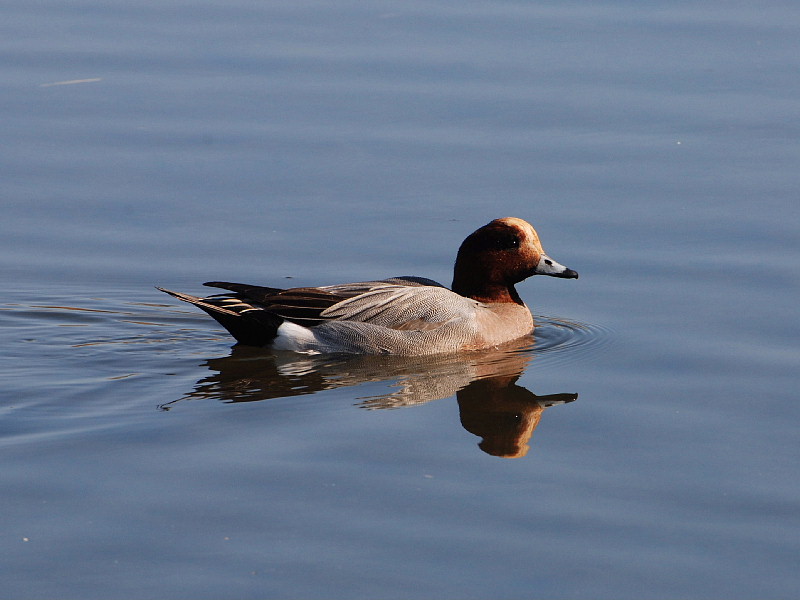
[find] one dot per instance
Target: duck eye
(507, 242)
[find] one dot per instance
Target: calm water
(653, 419)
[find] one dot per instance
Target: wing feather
(403, 303)
(400, 306)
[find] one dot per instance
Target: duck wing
(404, 307)
(309, 306)
(252, 314)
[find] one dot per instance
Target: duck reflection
(491, 404)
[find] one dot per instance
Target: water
(653, 417)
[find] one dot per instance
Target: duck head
(497, 256)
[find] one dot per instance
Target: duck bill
(547, 266)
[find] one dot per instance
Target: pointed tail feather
(251, 326)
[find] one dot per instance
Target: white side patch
(295, 338)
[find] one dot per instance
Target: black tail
(250, 325)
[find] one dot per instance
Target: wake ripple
(566, 340)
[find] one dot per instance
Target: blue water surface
(642, 445)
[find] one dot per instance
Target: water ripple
(567, 340)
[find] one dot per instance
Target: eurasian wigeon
(400, 315)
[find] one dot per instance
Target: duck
(406, 315)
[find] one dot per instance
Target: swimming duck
(399, 315)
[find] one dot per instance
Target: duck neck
(488, 291)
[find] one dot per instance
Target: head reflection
(504, 414)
